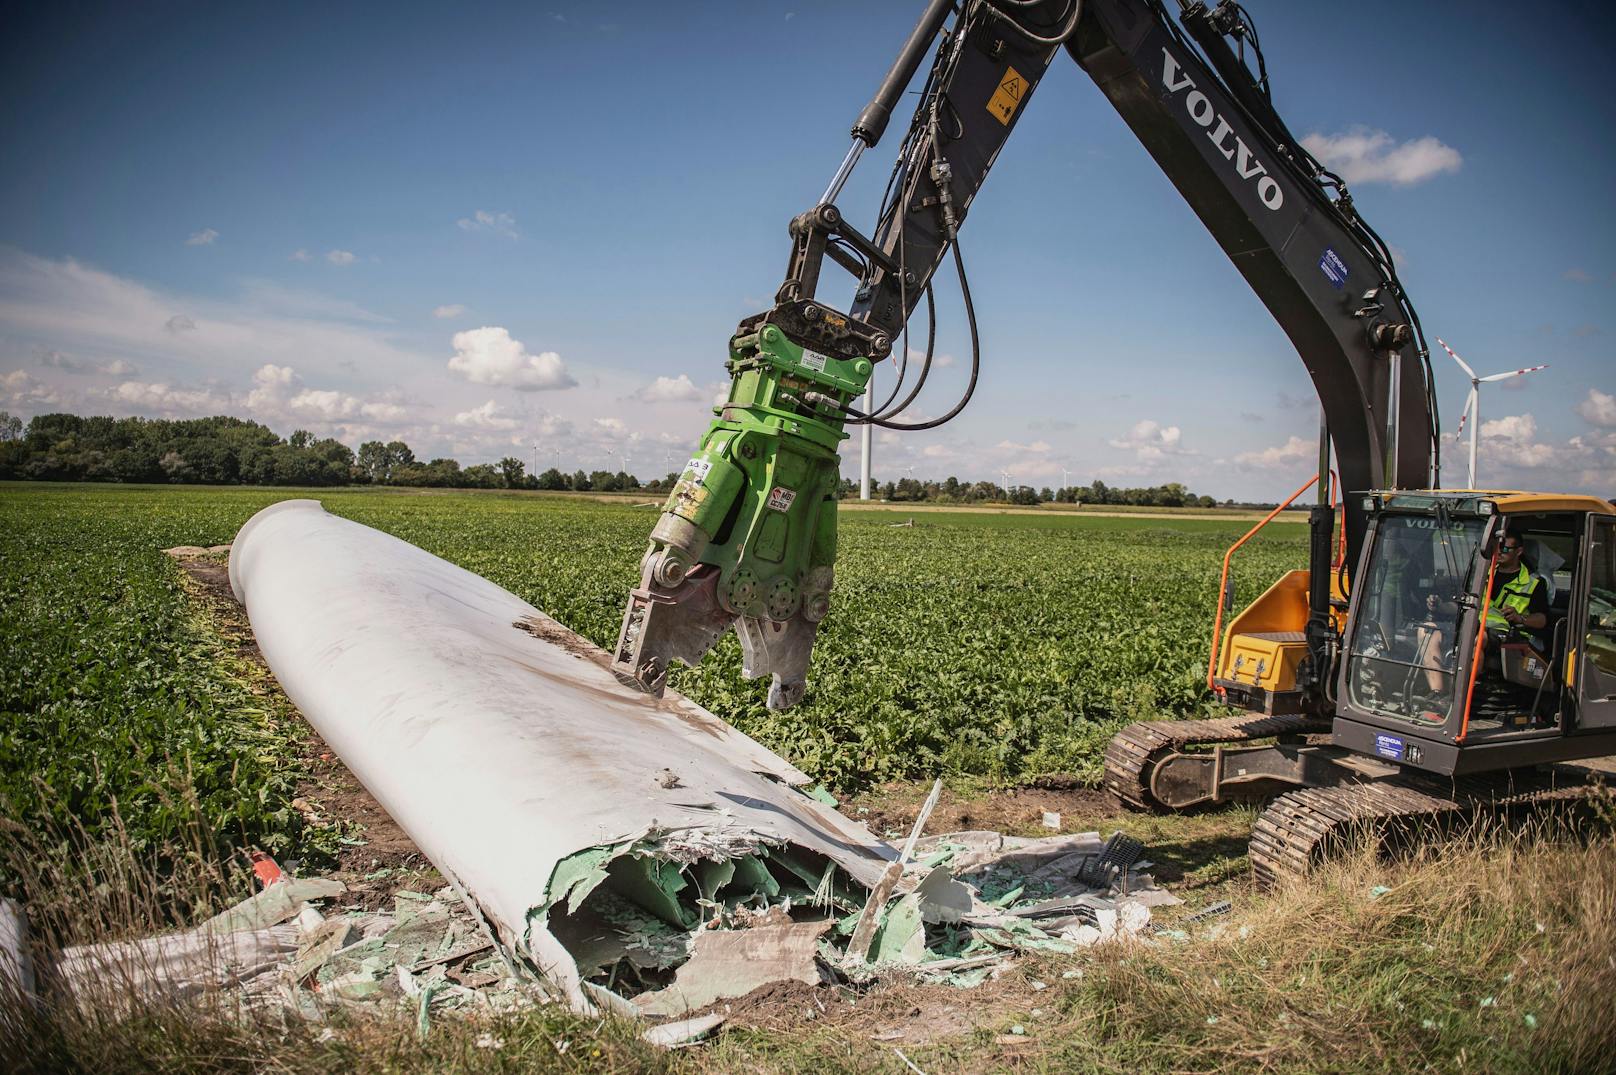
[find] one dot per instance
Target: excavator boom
(747, 539)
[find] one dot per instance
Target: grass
(137, 753)
(1494, 954)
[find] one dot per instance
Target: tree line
(234, 451)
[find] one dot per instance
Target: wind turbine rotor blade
(1512, 373)
(1469, 409)
(1468, 371)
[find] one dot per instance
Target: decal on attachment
(1333, 268)
(1007, 98)
(1389, 746)
(780, 498)
(813, 360)
(697, 469)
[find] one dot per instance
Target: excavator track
(1134, 751)
(1301, 828)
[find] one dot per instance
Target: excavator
(1387, 686)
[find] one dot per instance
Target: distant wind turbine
(1472, 407)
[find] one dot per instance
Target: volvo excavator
(1382, 685)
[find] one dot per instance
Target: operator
(1517, 605)
(1519, 602)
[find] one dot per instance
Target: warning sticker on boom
(1007, 98)
(780, 498)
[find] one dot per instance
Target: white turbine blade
(1469, 408)
(1468, 371)
(1512, 373)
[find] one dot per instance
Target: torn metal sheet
(731, 963)
(503, 745)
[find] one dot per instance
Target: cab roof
(1517, 501)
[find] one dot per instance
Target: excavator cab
(1430, 680)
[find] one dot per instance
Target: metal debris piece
(1211, 910)
(1120, 853)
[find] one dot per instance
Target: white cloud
(180, 323)
(205, 237)
(56, 360)
(1293, 451)
(489, 356)
(170, 400)
(1511, 427)
(488, 416)
(1037, 447)
(20, 389)
(1510, 441)
(278, 396)
(670, 390)
(937, 451)
(341, 257)
(1150, 441)
(1599, 408)
(502, 224)
(448, 310)
(610, 425)
(301, 255)
(1365, 155)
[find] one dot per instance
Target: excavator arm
(747, 538)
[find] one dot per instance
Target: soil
(377, 858)
(890, 809)
(899, 1013)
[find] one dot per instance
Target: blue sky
(486, 226)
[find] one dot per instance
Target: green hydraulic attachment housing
(747, 538)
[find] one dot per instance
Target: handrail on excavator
(1223, 581)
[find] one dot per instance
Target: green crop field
(1006, 646)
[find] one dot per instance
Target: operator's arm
(1536, 616)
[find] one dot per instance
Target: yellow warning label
(1007, 98)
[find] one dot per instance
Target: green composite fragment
(272, 905)
(577, 875)
(654, 885)
(901, 937)
(819, 794)
(712, 877)
(752, 876)
(1009, 897)
(1022, 937)
(423, 1022)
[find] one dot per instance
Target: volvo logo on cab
(1199, 106)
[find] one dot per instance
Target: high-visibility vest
(1515, 594)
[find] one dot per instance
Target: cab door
(1592, 630)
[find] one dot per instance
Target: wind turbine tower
(1472, 407)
